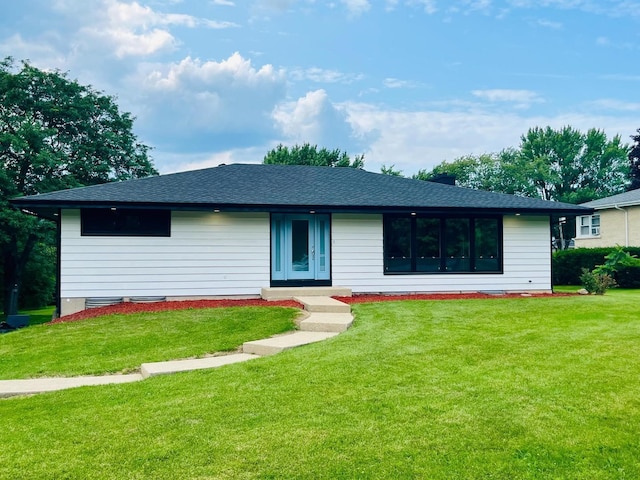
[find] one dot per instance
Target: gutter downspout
(626, 224)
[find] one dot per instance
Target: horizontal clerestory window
(130, 222)
(434, 244)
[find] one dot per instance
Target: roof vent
(444, 178)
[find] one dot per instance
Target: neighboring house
(231, 230)
(615, 221)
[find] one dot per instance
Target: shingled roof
(626, 199)
(290, 188)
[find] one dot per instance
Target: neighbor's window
(589, 226)
(125, 222)
(415, 244)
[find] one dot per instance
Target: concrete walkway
(324, 318)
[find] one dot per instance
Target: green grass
(120, 343)
(527, 388)
(37, 315)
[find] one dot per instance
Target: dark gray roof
(280, 187)
(625, 199)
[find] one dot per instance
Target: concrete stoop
(287, 293)
(326, 318)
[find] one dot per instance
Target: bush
(628, 277)
(568, 264)
(597, 283)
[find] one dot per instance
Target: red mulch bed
(129, 307)
(368, 298)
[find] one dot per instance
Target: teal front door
(300, 248)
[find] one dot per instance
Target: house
(233, 229)
(615, 221)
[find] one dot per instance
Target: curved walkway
(326, 317)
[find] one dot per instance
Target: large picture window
(125, 222)
(415, 244)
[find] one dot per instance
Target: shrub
(568, 264)
(628, 277)
(597, 283)
(619, 264)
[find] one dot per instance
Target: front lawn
(120, 343)
(524, 388)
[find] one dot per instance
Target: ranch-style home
(233, 229)
(615, 221)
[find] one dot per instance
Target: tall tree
(634, 162)
(55, 134)
(489, 171)
(563, 165)
(311, 155)
(569, 166)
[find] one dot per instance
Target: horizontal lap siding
(208, 254)
(357, 249)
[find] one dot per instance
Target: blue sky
(408, 83)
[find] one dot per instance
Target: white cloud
(549, 24)
(617, 105)
(397, 83)
(357, 7)
(314, 119)
(521, 98)
(429, 6)
(202, 104)
(131, 29)
(321, 75)
(414, 140)
(225, 3)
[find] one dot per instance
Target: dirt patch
(130, 307)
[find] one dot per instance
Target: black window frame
(410, 264)
(125, 222)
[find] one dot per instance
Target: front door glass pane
(322, 247)
(300, 245)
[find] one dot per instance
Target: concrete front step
(323, 304)
(326, 322)
(162, 368)
(280, 293)
(271, 346)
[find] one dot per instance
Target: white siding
(207, 254)
(357, 252)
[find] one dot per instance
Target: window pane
(300, 245)
(595, 221)
(125, 222)
(278, 247)
(397, 244)
(322, 248)
(457, 244)
(428, 244)
(487, 245)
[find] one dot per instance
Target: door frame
(280, 251)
